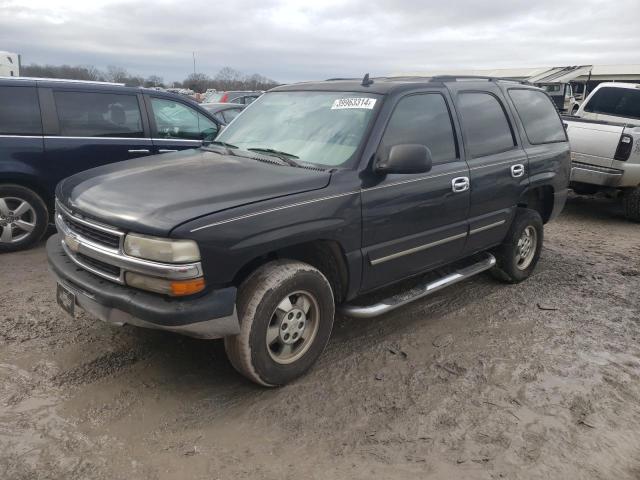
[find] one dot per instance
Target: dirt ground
(481, 381)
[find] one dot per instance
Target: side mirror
(407, 158)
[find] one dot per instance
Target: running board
(421, 291)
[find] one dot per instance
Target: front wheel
(518, 255)
(286, 311)
(23, 218)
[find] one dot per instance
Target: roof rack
(62, 80)
(455, 78)
(338, 79)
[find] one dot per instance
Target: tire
(631, 204)
(261, 352)
(575, 109)
(23, 218)
(512, 265)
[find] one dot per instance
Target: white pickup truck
(605, 144)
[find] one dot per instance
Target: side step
(420, 291)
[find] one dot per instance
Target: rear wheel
(23, 218)
(631, 203)
(518, 255)
(286, 311)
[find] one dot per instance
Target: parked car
(51, 129)
(243, 97)
(224, 112)
(316, 195)
(605, 144)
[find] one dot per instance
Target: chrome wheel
(526, 247)
(17, 219)
(293, 327)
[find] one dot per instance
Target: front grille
(98, 236)
(99, 265)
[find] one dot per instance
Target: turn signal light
(187, 287)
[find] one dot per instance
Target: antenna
(366, 81)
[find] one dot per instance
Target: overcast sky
(301, 40)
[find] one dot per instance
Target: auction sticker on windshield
(341, 103)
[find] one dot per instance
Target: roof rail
(454, 78)
(338, 79)
(62, 80)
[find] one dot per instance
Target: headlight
(161, 249)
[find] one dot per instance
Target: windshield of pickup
(323, 128)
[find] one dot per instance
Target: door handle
(165, 150)
(517, 170)
(460, 184)
(139, 150)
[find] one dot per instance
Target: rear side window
(485, 123)
(19, 111)
(86, 114)
(620, 102)
(538, 116)
(424, 120)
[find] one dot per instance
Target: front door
(177, 126)
(414, 222)
(497, 165)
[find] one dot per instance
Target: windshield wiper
(288, 158)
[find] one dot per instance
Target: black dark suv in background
(317, 194)
(51, 129)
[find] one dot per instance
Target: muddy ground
(483, 380)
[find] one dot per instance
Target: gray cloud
(291, 41)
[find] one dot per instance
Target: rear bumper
(595, 175)
(211, 315)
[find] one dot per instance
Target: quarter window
(424, 120)
(86, 114)
(538, 116)
(176, 120)
(485, 123)
(19, 111)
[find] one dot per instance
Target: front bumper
(210, 315)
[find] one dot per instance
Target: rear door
(21, 143)
(86, 129)
(415, 222)
(497, 163)
(542, 133)
(176, 125)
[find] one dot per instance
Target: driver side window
(176, 120)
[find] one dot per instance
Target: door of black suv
(414, 222)
(497, 162)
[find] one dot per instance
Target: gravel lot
(483, 380)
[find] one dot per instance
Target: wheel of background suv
(286, 311)
(23, 218)
(519, 253)
(631, 204)
(575, 109)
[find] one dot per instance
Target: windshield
(324, 128)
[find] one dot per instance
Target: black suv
(315, 196)
(51, 129)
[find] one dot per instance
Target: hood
(155, 194)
